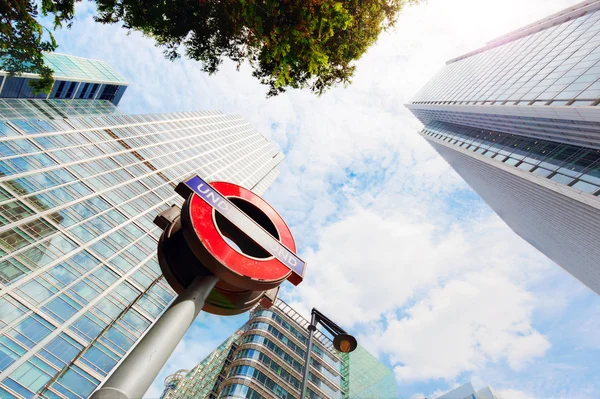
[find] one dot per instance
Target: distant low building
(466, 391)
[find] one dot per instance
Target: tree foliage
(289, 43)
(23, 39)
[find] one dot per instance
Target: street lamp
(342, 342)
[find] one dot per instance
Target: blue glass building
(519, 120)
(75, 78)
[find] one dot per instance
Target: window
(93, 90)
(10, 310)
(109, 92)
(118, 339)
(11, 270)
(9, 352)
(75, 383)
(61, 350)
(62, 308)
(99, 358)
(83, 90)
(71, 89)
(585, 186)
(37, 290)
(31, 330)
(88, 326)
(60, 88)
(239, 391)
(33, 375)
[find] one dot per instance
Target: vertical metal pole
(311, 330)
(134, 376)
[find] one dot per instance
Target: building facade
(265, 359)
(16, 109)
(80, 185)
(75, 78)
(519, 120)
(466, 391)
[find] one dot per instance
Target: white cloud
(461, 326)
(376, 258)
(467, 281)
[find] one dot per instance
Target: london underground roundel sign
(228, 231)
(213, 217)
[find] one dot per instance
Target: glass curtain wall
(79, 278)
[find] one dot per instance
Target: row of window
(557, 63)
(19, 88)
(582, 133)
(53, 109)
(334, 378)
(285, 375)
(23, 155)
(63, 306)
(17, 210)
(300, 336)
(261, 340)
(260, 378)
(573, 166)
(270, 364)
(239, 391)
(37, 243)
(24, 211)
(38, 161)
(554, 103)
(281, 337)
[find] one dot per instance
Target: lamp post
(342, 341)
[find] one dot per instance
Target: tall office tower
(519, 120)
(466, 391)
(79, 278)
(75, 78)
(265, 359)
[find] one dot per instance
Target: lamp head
(345, 343)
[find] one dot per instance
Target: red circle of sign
(232, 266)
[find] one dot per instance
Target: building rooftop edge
(65, 77)
(566, 14)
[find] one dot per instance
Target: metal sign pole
(311, 331)
(134, 376)
(193, 253)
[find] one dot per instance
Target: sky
(401, 252)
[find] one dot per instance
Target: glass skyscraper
(265, 359)
(80, 184)
(75, 78)
(519, 120)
